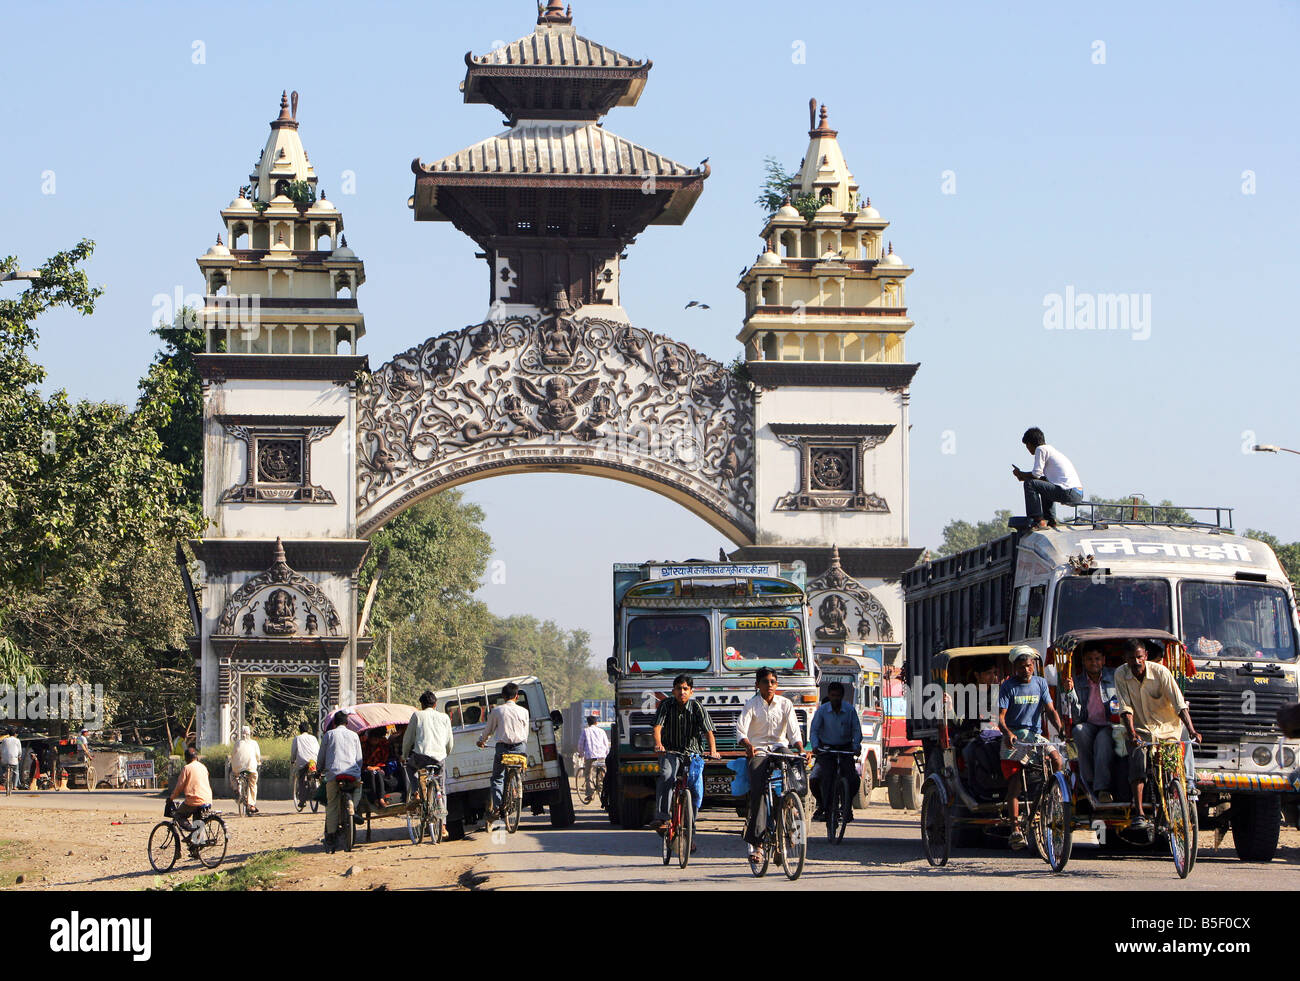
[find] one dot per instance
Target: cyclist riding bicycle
(11, 753)
(305, 749)
(681, 726)
(766, 724)
(834, 726)
(340, 756)
(1150, 701)
(244, 758)
(509, 723)
(593, 747)
(193, 785)
(1022, 699)
(428, 741)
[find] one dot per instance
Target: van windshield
(750, 642)
(1107, 601)
(669, 643)
(1236, 620)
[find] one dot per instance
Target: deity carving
(832, 612)
(559, 408)
(281, 614)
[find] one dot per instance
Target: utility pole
(389, 637)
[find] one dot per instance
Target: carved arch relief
(844, 609)
(561, 391)
(286, 603)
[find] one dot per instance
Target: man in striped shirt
(681, 726)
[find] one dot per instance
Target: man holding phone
(1053, 480)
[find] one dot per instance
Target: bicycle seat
(514, 759)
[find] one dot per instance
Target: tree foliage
(561, 659)
(960, 535)
(779, 184)
(1287, 555)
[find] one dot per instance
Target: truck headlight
(1262, 756)
(643, 740)
(1286, 757)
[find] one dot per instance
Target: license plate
(541, 785)
(1085, 836)
(718, 785)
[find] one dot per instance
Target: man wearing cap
(1022, 699)
(244, 758)
(1150, 701)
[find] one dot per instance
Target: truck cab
(718, 623)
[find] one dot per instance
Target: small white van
(469, 769)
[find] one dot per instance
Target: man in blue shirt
(835, 726)
(1022, 699)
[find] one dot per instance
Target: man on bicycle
(509, 723)
(766, 724)
(244, 758)
(1150, 700)
(834, 726)
(340, 756)
(11, 753)
(305, 749)
(593, 748)
(192, 785)
(1022, 699)
(428, 741)
(681, 726)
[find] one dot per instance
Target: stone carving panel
(287, 594)
(557, 391)
(845, 609)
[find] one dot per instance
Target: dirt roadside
(55, 848)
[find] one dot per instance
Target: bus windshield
(1236, 620)
(675, 642)
(1107, 601)
(750, 642)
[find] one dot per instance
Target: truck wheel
(455, 830)
(867, 785)
(910, 790)
(1256, 823)
(562, 805)
(894, 786)
(630, 812)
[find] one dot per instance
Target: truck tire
(455, 829)
(910, 790)
(894, 786)
(867, 784)
(631, 812)
(562, 803)
(1256, 823)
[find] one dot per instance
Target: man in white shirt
(428, 739)
(509, 723)
(1053, 480)
(766, 723)
(593, 747)
(245, 757)
(340, 756)
(305, 749)
(11, 752)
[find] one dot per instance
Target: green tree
(561, 659)
(437, 553)
(960, 535)
(779, 184)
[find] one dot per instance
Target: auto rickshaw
(964, 798)
(1096, 819)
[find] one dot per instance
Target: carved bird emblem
(558, 410)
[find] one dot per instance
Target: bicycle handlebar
(1142, 744)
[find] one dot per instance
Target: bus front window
(753, 642)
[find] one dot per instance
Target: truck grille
(1219, 717)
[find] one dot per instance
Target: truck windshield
(668, 643)
(1082, 602)
(1236, 620)
(750, 642)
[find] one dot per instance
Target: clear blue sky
(1122, 177)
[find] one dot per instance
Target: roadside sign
(139, 769)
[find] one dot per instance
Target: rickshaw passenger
(1022, 699)
(1088, 699)
(981, 751)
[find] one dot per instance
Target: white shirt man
(593, 747)
(305, 749)
(11, 750)
(1052, 481)
(509, 723)
(766, 722)
(246, 756)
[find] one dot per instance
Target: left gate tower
(280, 554)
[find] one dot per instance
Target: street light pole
(1275, 449)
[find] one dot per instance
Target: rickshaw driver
(1150, 700)
(1022, 699)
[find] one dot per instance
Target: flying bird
(697, 303)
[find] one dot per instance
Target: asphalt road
(882, 850)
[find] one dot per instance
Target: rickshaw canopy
(942, 662)
(373, 715)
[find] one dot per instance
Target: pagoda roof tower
(555, 199)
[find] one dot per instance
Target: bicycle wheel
(415, 818)
(936, 827)
(164, 847)
(1055, 825)
(1182, 828)
(668, 832)
(515, 799)
(793, 831)
(312, 787)
(213, 850)
(685, 830)
(842, 803)
(241, 805)
(347, 824)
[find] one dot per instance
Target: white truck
(468, 770)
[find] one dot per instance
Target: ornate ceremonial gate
(307, 452)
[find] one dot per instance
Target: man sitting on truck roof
(1022, 699)
(1150, 700)
(1053, 480)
